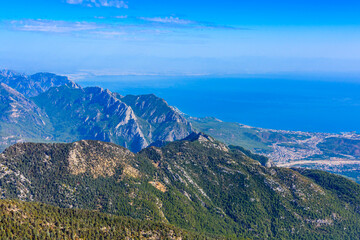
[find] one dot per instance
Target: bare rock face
(98, 114)
(16, 107)
(58, 161)
(14, 178)
(99, 159)
(91, 113)
(62, 111)
(165, 122)
(20, 118)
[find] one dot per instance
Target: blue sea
(304, 103)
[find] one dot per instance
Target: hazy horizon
(137, 37)
(314, 104)
(193, 48)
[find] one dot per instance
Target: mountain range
(47, 107)
(90, 163)
(197, 184)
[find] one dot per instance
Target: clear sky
(173, 37)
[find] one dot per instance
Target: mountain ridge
(20, 118)
(194, 184)
(35, 84)
(74, 113)
(336, 153)
(149, 121)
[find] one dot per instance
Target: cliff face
(16, 108)
(165, 122)
(53, 108)
(91, 113)
(98, 114)
(20, 118)
(197, 184)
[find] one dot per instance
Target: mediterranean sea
(315, 104)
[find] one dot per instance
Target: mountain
(67, 112)
(33, 85)
(91, 113)
(20, 118)
(167, 123)
(97, 114)
(45, 107)
(334, 152)
(21, 220)
(197, 184)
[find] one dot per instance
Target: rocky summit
(33, 85)
(197, 184)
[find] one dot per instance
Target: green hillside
(22, 220)
(231, 133)
(197, 184)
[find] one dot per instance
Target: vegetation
(198, 184)
(230, 133)
(260, 158)
(20, 118)
(336, 146)
(21, 220)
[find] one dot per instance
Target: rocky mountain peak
(8, 73)
(97, 158)
(36, 84)
(206, 140)
(201, 137)
(72, 113)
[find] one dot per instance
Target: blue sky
(137, 37)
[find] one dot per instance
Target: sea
(284, 102)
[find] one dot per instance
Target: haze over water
(286, 103)
(138, 37)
